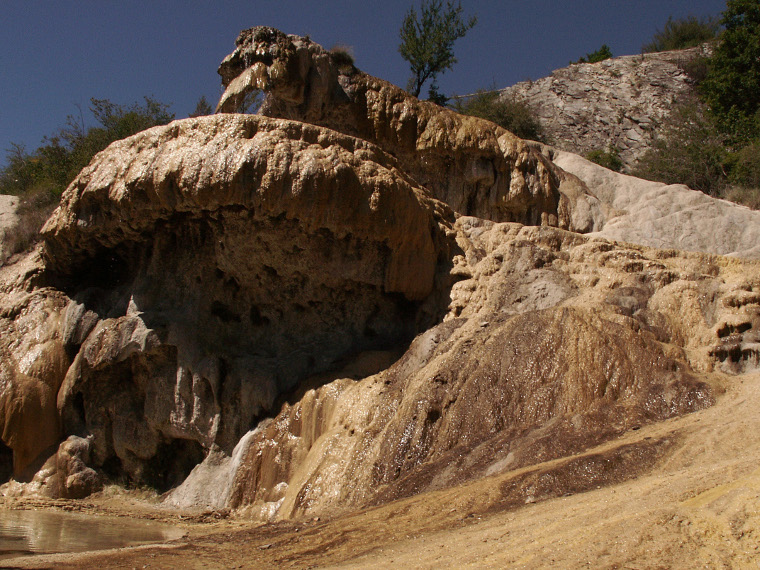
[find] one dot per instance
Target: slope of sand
(699, 505)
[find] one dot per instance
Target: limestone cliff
(616, 103)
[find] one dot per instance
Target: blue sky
(55, 55)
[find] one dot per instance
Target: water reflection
(43, 532)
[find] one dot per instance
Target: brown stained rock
(214, 263)
(274, 169)
(554, 343)
(32, 366)
(474, 166)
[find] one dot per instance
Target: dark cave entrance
(172, 463)
(6, 463)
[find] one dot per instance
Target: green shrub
(688, 150)
(507, 112)
(682, 33)
(601, 54)
(732, 86)
(745, 166)
(609, 158)
(342, 56)
(40, 177)
(696, 68)
(749, 197)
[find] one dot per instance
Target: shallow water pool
(24, 533)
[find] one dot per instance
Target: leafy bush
(745, 166)
(688, 150)
(682, 33)
(601, 54)
(696, 68)
(507, 112)
(343, 57)
(748, 196)
(732, 86)
(55, 164)
(202, 108)
(609, 158)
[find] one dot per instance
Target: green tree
(682, 33)
(427, 42)
(732, 86)
(601, 54)
(202, 108)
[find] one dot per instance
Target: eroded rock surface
(553, 343)
(666, 216)
(473, 165)
(306, 321)
(208, 266)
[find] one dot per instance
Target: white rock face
(617, 102)
(8, 221)
(667, 216)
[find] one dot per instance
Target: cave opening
(172, 463)
(6, 463)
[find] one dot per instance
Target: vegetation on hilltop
(682, 33)
(427, 43)
(601, 54)
(712, 142)
(39, 177)
(507, 112)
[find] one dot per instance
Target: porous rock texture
(307, 321)
(474, 166)
(616, 103)
(202, 269)
(553, 342)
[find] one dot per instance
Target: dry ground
(698, 506)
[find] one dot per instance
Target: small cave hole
(6, 463)
(433, 416)
(78, 405)
(172, 463)
(224, 313)
(257, 319)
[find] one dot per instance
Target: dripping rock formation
(355, 298)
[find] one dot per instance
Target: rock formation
(615, 103)
(474, 166)
(283, 318)
(8, 222)
(553, 342)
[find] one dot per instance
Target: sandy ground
(699, 506)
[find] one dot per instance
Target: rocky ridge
(617, 103)
(289, 320)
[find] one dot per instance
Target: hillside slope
(615, 103)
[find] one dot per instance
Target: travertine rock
(213, 263)
(553, 342)
(666, 216)
(290, 313)
(474, 166)
(8, 222)
(32, 365)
